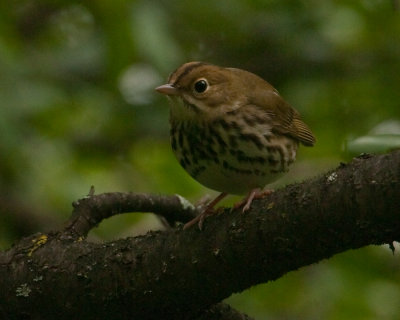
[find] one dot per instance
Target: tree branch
(91, 210)
(178, 274)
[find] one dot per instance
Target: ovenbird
(231, 130)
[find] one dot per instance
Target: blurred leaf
(373, 144)
(384, 137)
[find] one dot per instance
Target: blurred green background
(78, 108)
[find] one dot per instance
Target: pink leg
(206, 212)
(253, 194)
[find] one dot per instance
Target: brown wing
(303, 132)
(285, 119)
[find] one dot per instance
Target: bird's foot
(208, 211)
(199, 219)
(253, 194)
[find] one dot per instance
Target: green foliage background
(77, 108)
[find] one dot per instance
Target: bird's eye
(200, 86)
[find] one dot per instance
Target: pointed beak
(168, 90)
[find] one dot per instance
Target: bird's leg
(253, 194)
(209, 210)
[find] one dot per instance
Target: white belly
(232, 165)
(222, 180)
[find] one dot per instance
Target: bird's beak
(168, 89)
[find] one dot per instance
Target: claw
(253, 194)
(209, 210)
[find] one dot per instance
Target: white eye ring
(201, 85)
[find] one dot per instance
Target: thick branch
(177, 274)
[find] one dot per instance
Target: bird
(231, 131)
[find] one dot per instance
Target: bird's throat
(181, 109)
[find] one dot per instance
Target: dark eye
(200, 86)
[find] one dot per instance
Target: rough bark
(178, 274)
